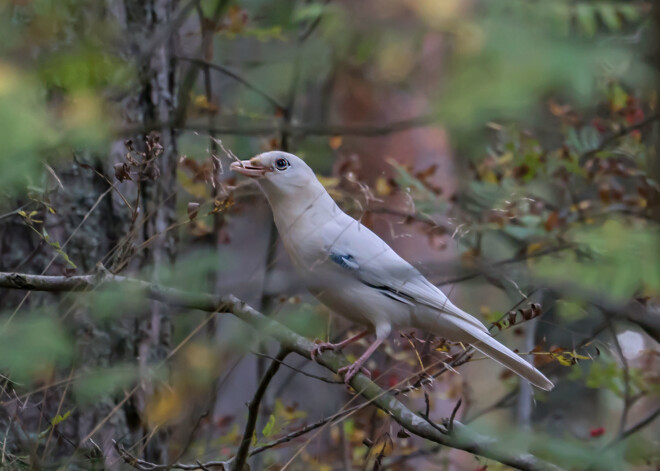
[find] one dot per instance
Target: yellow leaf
(505, 158)
(383, 187)
(288, 413)
(164, 407)
(203, 103)
(535, 247)
(489, 176)
(565, 361)
(198, 190)
(328, 182)
(9, 79)
(335, 142)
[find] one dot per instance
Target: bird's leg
(351, 370)
(322, 346)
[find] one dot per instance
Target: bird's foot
(351, 370)
(321, 346)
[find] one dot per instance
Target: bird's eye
(281, 164)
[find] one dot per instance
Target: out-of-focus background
(507, 149)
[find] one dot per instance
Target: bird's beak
(250, 168)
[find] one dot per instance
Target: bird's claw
(349, 371)
(320, 347)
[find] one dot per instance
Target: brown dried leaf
(402, 433)
(122, 172)
(552, 221)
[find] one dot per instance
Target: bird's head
(280, 174)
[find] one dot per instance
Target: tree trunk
(96, 219)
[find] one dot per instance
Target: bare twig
(487, 268)
(638, 426)
(461, 358)
(236, 76)
(363, 130)
(302, 372)
(450, 426)
(143, 465)
(307, 429)
(425, 415)
(253, 410)
(621, 133)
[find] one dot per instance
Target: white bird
(355, 273)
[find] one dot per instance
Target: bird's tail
(483, 342)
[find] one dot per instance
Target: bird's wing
(359, 252)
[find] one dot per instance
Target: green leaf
(618, 257)
(629, 11)
(103, 382)
(269, 428)
(618, 97)
(571, 311)
(610, 16)
(60, 418)
(589, 137)
(586, 17)
(308, 12)
(30, 347)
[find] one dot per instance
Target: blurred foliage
(32, 347)
(53, 73)
(614, 256)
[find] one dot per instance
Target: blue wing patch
(344, 261)
(348, 262)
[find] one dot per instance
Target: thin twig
(253, 410)
(361, 129)
(425, 415)
(621, 133)
(236, 76)
(508, 261)
(144, 465)
(306, 429)
(638, 425)
(463, 357)
(450, 426)
(298, 370)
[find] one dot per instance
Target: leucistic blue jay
(356, 274)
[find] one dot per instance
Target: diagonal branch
(462, 437)
(609, 140)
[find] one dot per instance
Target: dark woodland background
(508, 149)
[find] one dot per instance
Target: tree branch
(362, 130)
(637, 426)
(462, 437)
(606, 142)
